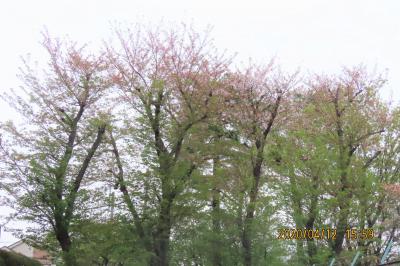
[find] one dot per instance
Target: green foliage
(8, 258)
(113, 242)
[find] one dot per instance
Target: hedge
(14, 259)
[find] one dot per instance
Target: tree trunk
(246, 242)
(162, 233)
(312, 214)
(248, 222)
(65, 243)
(341, 227)
(216, 220)
(344, 211)
(344, 196)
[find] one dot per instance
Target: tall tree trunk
(246, 241)
(342, 225)
(312, 214)
(65, 243)
(216, 221)
(163, 231)
(343, 196)
(344, 199)
(248, 221)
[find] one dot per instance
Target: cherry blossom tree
(47, 158)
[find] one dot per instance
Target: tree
(350, 109)
(376, 195)
(328, 148)
(169, 80)
(258, 94)
(49, 156)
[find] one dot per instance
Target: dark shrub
(14, 259)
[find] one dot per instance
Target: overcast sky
(315, 35)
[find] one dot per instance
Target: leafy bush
(13, 259)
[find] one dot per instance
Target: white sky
(315, 35)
